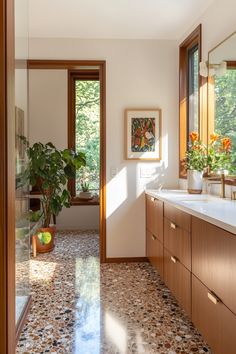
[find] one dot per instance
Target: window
(84, 127)
(193, 74)
(224, 106)
(189, 88)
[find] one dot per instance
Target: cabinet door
(178, 280)
(154, 217)
(214, 320)
(178, 242)
(178, 217)
(214, 260)
(155, 252)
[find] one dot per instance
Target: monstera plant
(50, 169)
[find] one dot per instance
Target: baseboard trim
(127, 260)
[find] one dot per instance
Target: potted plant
(84, 183)
(50, 169)
(196, 162)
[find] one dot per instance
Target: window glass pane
(87, 112)
(225, 107)
(193, 91)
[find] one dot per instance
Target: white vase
(195, 181)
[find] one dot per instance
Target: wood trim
(72, 66)
(23, 318)
(127, 260)
(7, 182)
(195, 38)
(126, 132)
(63, 64)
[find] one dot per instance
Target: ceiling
(133, 19)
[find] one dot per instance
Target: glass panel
(22, 188)
(87, 110)
(225, 107)
(193, 91)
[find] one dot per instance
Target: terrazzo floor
(80, 307)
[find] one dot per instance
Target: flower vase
(194, 181)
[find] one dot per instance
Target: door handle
(173, 226)
(154, 237)
(213, 298)
(152, 199)
(173, 259)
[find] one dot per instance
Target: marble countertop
(215, 210)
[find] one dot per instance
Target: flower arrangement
(196, 156)
(219, 153)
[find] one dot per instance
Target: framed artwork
(143, 134)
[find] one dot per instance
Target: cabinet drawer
(214, 260)
(178, 242)
(178, 217)
(178, 280)
(154, 216)
(155, 252)
(213, 319)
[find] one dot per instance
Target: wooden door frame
(7, 179)
(71, 65)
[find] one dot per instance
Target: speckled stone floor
(80, 307)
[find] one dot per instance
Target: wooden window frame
(69, 65)
(73, 75)
(195, 38)
(7, 179)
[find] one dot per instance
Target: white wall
(140, 73)
(218, 22)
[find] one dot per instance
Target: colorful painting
(143, 134)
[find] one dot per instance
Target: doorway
(93, 75)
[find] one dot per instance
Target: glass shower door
(22, 185)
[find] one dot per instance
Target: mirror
(222, 92)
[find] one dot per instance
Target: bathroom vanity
(191, 241)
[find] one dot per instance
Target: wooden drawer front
(214, 260)
(215, 321)
(155, 252)
(178, 217)
(178, 242)
(154, 216)
(178, 280)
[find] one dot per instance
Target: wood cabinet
(197, 261)
(178, 280)
(214, 320)
(214, 260)
(155, 252)
(178, 217)
(154, 217)
(178, 242)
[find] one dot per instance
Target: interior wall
(140, 74)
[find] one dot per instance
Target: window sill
(78, 201)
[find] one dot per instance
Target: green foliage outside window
(88, 131)
(225, 110)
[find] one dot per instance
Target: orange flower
(193, 136)
(226, 143)
(214, 137)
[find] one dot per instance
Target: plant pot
(194, 181)
(85, 195)
(45, 243)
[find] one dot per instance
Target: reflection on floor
(126, 309)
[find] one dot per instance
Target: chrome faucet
(220, 181)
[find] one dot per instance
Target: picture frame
(143, 140)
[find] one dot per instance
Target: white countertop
(215, 210)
